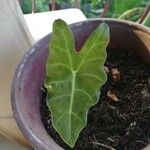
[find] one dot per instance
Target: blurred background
(21, 29)
(122, 9)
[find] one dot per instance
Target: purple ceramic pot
(30, 75)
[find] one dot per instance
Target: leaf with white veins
(74, 78)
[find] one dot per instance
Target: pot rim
(35, 142)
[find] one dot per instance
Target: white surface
(6, 144)
(14, 41)
(40, 24)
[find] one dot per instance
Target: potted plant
(118, 115)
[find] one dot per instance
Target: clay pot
(30, 75)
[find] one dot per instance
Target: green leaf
(123, 5)
(132, 14)
(26, 6)
(147, 21)
(74, 78)
(42, 5)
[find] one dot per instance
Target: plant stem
(33, 6)
(53, 5)
(146, 12)
(77, 3)
(106, 8)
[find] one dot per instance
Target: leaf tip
(71, 144)
(59, 21)
(104, 26)
(105, 29)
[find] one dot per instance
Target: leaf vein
(90, 98)
(58, 97)
(95, 45)
(90, 75)
(77, 116)
(58, 48)
(63, 115)
(93, 59)
(85, 62)
(58, 81)
(57, 64)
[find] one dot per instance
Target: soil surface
(121, 119)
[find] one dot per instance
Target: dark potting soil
(121, 119)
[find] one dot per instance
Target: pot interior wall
(125, 36)
(26, 89)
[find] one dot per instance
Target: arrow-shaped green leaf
(74, 78)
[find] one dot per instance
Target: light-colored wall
(15, 40)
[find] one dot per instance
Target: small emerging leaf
(132, 14)
(74, 78)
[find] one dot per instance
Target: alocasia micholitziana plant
(74, 78)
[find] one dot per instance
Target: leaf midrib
(71, 99)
